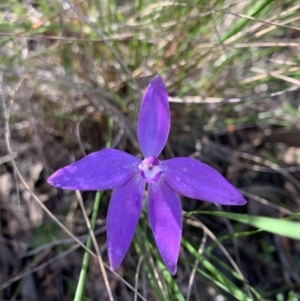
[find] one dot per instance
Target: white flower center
(150, 169)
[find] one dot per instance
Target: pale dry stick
(252, 166)
(59, 242)
(286, 260)
(125, 122)
(118, 138)
(170, 24)
(257, 159)
(4, 14)
(157, 278)
(59, 13)
(199, 224)
(164, 25)
(41, 204)
(77, 133)
(256, 20)
(266, 30)
(266, 202)
(124, 37)
(156, 275)
(122, 120)
(192, 277)
(114, 143)
(108, 103)
(269, 188)
(113, 38)
(234, 239)
(272, 43)
(266, 74)
(88, 223)
(274, 74)
(39, 267)
(220, 10)
(70, 215)
(283, 62)
(271, 165)
(219, 46)
(8, 132)
(137, 276)
(209, 100)
(87, 90)
(36, 137)
(7, 158)
(258, 25)
(231, 40)
(103, 38)
(8, 145)
(79, 243)
(99, 257)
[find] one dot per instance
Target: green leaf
(212, 273)
(173, 291)
(283, 227)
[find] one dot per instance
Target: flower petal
(122, 217)
(101, 170)
(154, 118)
(165, 217)
(197, 180)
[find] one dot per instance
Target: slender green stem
(86, 257)
(110, 131)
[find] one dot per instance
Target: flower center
(150, 169)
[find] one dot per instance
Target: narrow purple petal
(165, 217)
(154, 118)
(122, 217)
(101, 170)
(197, 180)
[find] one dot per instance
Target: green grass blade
(86, 257)
(213, 274)
(173, 291)
(256, 7)
(281, 227)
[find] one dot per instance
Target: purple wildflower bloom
(128, 176)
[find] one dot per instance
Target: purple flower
(128, 176)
